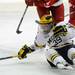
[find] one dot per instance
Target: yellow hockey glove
(24, 51)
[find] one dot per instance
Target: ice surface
(10, 42)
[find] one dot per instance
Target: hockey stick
(69, 14)
(8, 57)
(18, 28)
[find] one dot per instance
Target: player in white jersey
(57, 37)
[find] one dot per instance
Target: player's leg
(71, 53)
(57, 14)
(55, 60)
(68, 53)
(42, 11)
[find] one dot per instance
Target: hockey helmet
(46, 19)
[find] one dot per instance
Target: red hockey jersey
(44, 3)
(72, 2)
(41, 3)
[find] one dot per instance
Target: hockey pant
(64, 55)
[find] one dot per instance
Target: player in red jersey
(45, 6)
(72, 10)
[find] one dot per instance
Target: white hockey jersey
(57, 37)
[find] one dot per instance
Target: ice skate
(62, 66)
(74, 61)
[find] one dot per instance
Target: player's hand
(29, 2)
(23, 52)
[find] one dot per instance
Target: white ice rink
(10, 43)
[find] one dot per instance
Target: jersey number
(55, 40)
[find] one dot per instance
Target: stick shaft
(22, 18)
(69, 14)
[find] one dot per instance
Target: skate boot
(74, 61)
(62, 66)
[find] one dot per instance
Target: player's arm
(26, 50)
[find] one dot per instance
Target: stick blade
(18, 32)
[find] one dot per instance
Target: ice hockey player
(57, 37)
(47, 34)
(72, 10)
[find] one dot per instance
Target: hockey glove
(60, 30)
(29, 2)
(24, 51)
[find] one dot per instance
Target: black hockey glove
(60, 30)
